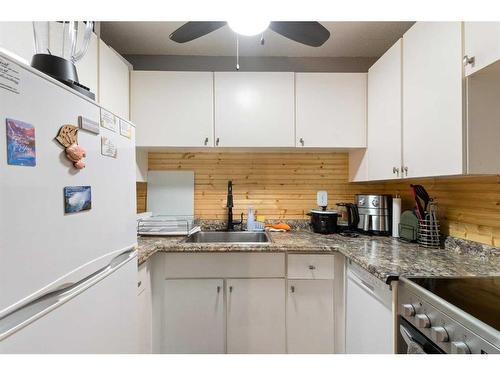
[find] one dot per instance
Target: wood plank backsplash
(468, 207)
(279, 185)
(283, 185)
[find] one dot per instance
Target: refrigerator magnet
(125, 129)
(108, 120)
(108, 147)
(20, 143)
(68, 138)
(77, 199)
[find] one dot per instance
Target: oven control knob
(439, 334)
(423, 321)
(408, 310)
(459, 347)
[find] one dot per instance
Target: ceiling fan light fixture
(248, 27)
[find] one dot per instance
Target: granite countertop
(381, 256)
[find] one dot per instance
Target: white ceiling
(347, 39)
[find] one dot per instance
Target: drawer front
(236, 265)
(310, 266)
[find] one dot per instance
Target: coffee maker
(375, 213)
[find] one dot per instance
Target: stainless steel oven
(412, 341)
(456, 315)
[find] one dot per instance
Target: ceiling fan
(310, 33)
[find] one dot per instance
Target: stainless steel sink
(229, 237)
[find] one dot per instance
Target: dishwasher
(369, 319)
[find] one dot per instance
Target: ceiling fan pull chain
(237, 52)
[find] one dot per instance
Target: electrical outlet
(322, 198)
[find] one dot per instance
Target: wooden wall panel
(279, 185)
(469, 207)
(142, 192)
(283, 185)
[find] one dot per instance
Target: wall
(251, 63)
(469, 207)
(279, 185)
(283, 185)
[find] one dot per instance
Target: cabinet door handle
(139, 284)
(230, 289)
(206, 141)
(292, 289)
(217, 141)
(301, 140)
(395, 171)
(469, 60)
(218, 289)
(406, 171)
(311, 267)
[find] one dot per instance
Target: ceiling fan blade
(310, 33)
(195, 29)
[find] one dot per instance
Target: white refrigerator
(67, 280)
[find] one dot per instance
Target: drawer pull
(218, 289)
(230, 289)
(292, 289)
(311, 267)
(139, 284)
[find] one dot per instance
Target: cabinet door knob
(218, 289)
(301, 140)
(292, 289)
(395, 171)
(206, 141)
(230, 289)
(139, 284)
(469, 60)
(406, 171)
(311, 267)
(217, 141)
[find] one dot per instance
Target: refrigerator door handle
(33, 310)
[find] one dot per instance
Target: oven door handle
(406, 335)
(410, 342)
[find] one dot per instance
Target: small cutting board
(171, 193)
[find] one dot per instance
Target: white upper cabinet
(172, 109)
(17, 38)
(113, 81)
(432, 100)
(482, 44)
(254, 109)
(331, 109)
(384, 116)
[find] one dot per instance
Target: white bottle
(250, 219)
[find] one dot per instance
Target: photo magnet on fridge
(77, 198)
(108, 147)
(20, 143)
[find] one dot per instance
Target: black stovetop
(477, 296)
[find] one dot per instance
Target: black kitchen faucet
(229, 205)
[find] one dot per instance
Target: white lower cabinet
(144, 302)
(310, 315)
(193, 316)
(243, 303)
(256, 316)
